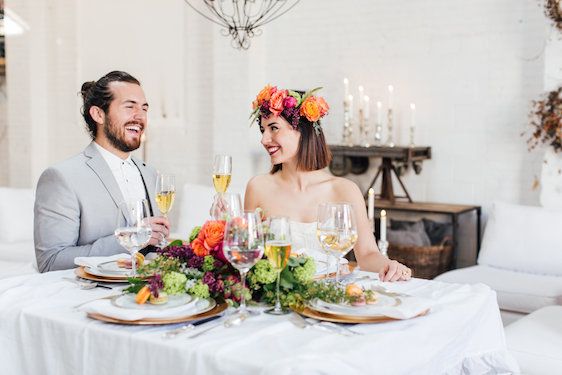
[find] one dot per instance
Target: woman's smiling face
(279, 138)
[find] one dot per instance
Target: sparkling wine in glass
(243, 247)
(278, 251)
(222, 173)
(336, 231)
(165, 195)
(136, 234)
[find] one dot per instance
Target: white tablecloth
(40, 333)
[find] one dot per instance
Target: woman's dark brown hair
(97, 93)
(313, 152)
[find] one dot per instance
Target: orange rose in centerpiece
(213, 232)
(276, 102)
(311, 109)
(198, 246)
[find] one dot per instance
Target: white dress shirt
(126, 174)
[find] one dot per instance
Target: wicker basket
(426, 262)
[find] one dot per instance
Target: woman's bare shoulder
(345, 188)
(260, 180)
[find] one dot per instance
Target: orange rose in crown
(209, 239)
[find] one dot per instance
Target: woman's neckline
(302, 222)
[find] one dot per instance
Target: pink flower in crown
(324, 107)
(276, 102)
(289, 102)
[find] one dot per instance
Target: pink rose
(276, 102)
(289, 102)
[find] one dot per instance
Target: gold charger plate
(152, 321)
(342, 318)
(81, 272)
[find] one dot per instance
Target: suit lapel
(101, 169)
(149, 179)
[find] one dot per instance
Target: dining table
(43, 332)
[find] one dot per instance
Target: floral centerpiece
(199, 267)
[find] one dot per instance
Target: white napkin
(105, 307)
(93, 262)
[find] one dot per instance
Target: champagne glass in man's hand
(165, 195)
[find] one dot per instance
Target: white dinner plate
(96, 271)
(127, 301)
(112, 268)
(368, 310)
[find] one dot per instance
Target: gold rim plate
(81, 272)
(344, 272)
(342, 318)
(152, 321)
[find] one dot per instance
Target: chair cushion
(523, 238)
(16, 214)
(517, 291)
(536, 341)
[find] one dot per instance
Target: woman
(297, 183)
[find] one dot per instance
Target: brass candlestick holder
(364, 129)
(383, 247)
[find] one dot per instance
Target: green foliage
(199, 290)
(136, 284)
(208, 263)
(194, 234)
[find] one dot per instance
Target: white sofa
(520, 258)
(17, 252)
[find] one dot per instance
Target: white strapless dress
(304, 241)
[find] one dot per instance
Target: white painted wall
(472, 69)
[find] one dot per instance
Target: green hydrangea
(199, 290)
(263, 273)
(174, 282)
(305, 272)
(208, 263)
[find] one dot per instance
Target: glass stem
(337, 270)
(277, 301)
(134, 264)
(242, 296)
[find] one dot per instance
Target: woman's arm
(367, 253)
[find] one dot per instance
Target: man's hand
(160, 229)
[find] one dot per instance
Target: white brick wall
(472, 69)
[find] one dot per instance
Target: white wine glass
(336, 231)
(278, 251)
(243, 247)
(165, 195)
(136, 234)
(222, 172)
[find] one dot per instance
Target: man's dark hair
(97, 93)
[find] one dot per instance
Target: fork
(300, 322)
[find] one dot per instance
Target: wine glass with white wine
(336, 231)
(278, 251)
(222, 174)
(136, 234)
(165, 195)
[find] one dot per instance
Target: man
(78, 201)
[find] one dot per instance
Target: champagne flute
(278, 251)
(165, 194)
(222, 172)
(243, 247)
(336, 231)
(136, 234)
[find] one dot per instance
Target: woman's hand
(395, 271)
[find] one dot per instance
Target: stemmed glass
(165, 194)
(243, 247)
(336, 231)
(278, 251)
(222, 174)
(136, 234)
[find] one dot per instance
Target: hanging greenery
(553, 10)
(546, 121)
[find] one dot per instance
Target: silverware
(207, 328)
(174, 332)
(300, 322)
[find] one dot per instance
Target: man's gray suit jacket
(76, 209)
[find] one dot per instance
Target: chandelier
(241, 19)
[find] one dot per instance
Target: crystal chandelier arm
(203, 14)
(274, 15)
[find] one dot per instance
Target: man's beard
(116, 139)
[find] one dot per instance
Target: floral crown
(291, 105)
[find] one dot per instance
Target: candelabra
(347, 138)
(389, 124)
(364, 129)
(378, 134)
(412, 130)
(383, 247)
